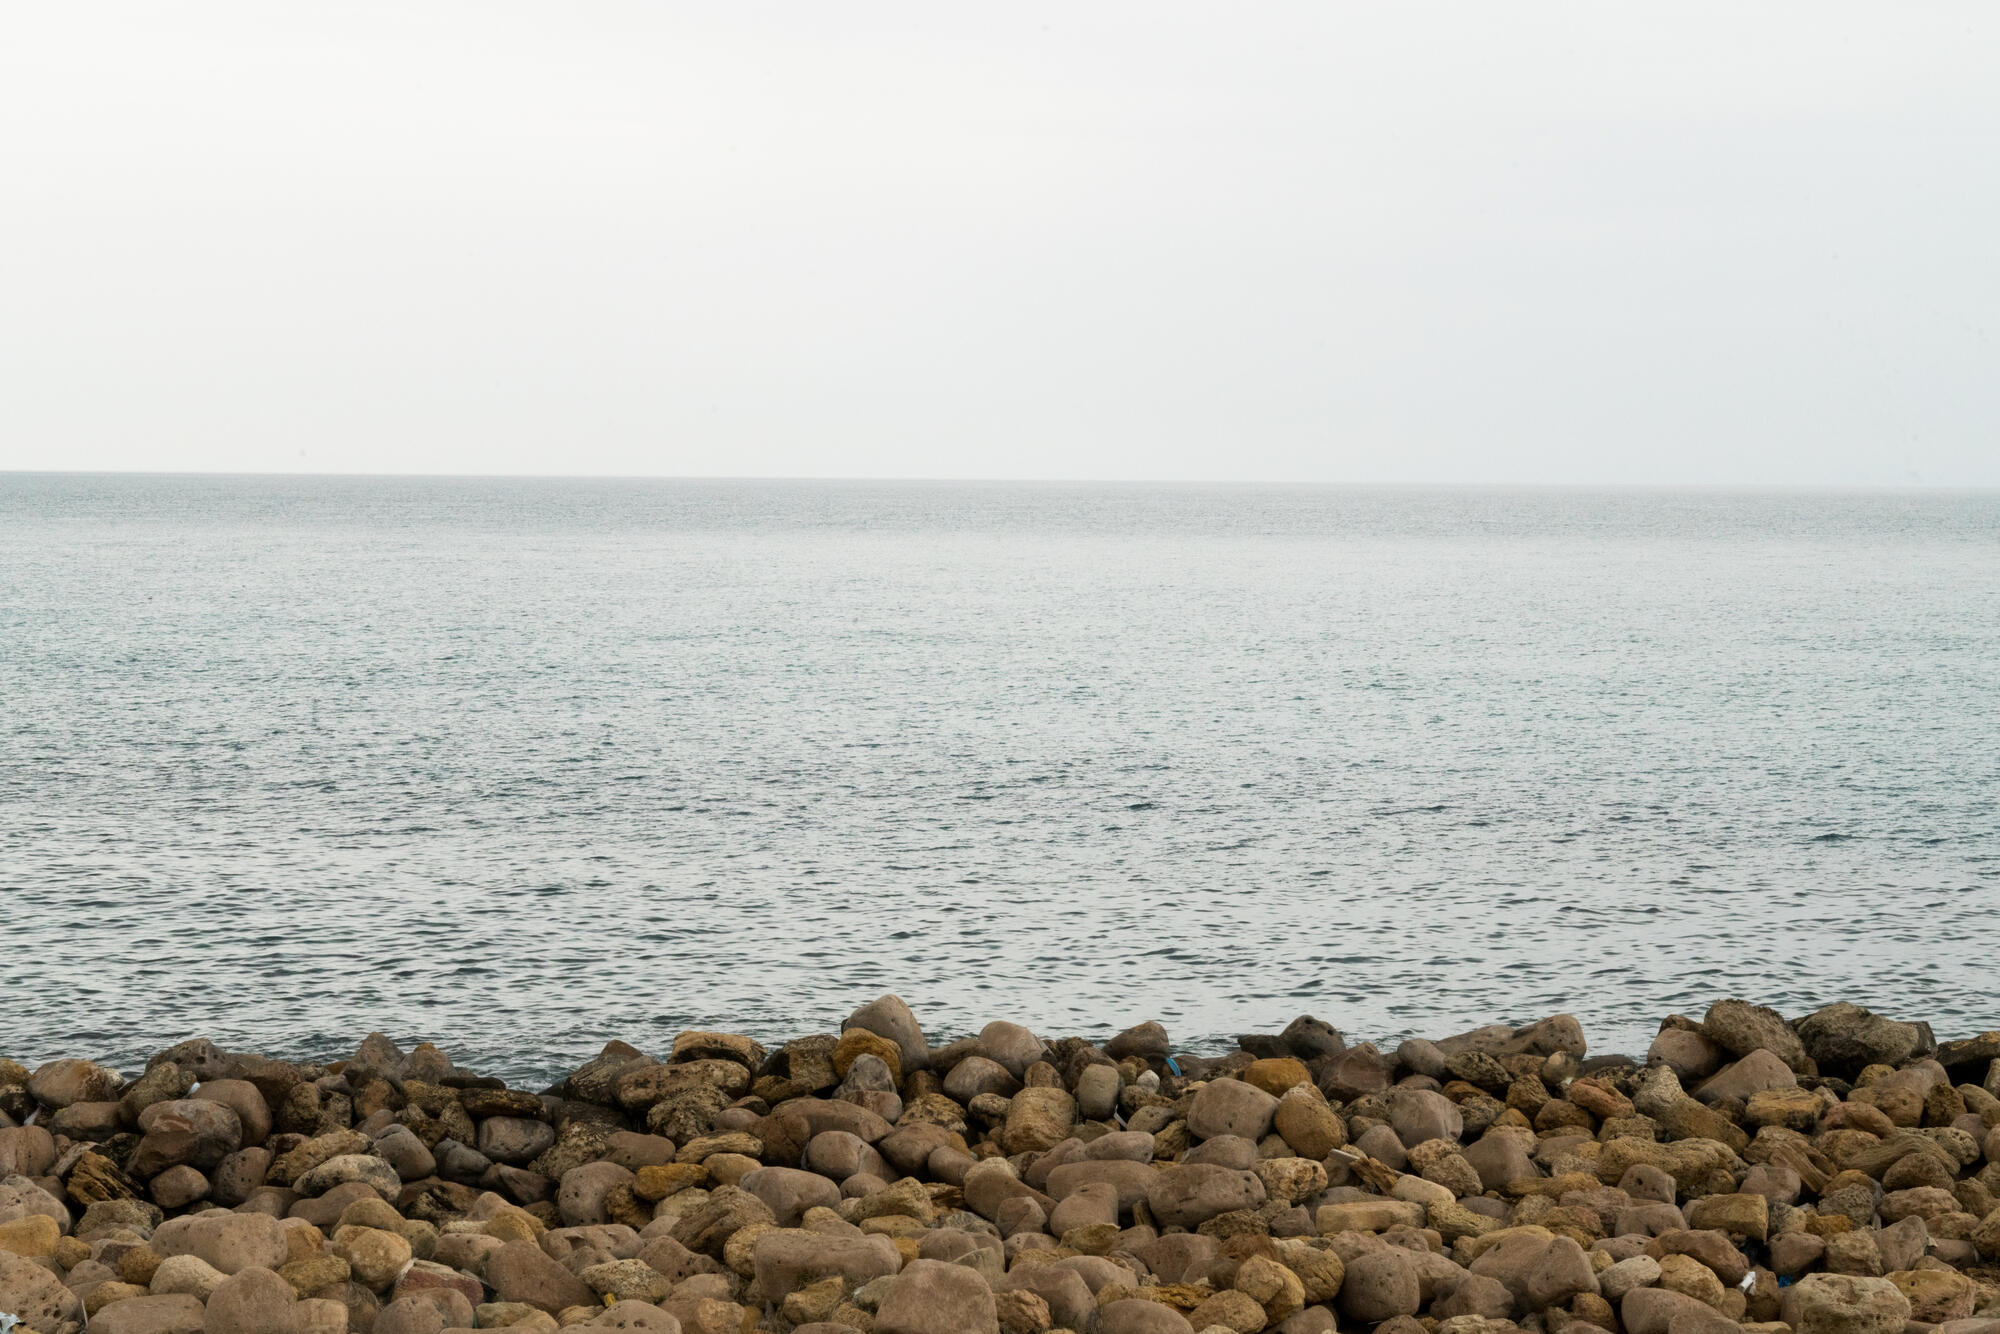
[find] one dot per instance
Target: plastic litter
(1749, 1281)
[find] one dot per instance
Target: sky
(1698, 243)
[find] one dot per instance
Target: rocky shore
(1834, 1174)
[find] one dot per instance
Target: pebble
(1015, 1183)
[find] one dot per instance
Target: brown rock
(1353, 1073)
(1380, 1285)
(1038, 1119)
(520, 1272)
(933, 1297)
(1022, 1313)
(858, 1042)
(375, 1256)
(1236, 1311)
(1137, 1315)
(1657, 1311)
(1189, 1194)
(1067, 1296)
(1743, 1215)
(35, 1295)
(26, 1151)
(1305, 1122)
(1936, 1295)
(1740, 1027)
(177, 1313)
(1845, 1304)
(230, 1242)
(1231, 1107)
(786, 1259)
(1844, 1039)
(60, 1083)
(892, 1019)
(1274, 1287)
(252, 1301)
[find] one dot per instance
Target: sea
(521, 766)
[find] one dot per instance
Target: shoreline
(1836, 1173)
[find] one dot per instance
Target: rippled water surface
(524, 765)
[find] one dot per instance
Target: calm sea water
(521, 766)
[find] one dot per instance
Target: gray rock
(514, 1140)
(978, 1074)
(1231, 1107)
(364, 1168)
(933, 1297)
(1843, 1038)
(1418, 1114)
(891, 1018)
(1014, 1047)
(35, 1295)
(790, 1192)
(1147, 1041)
(1097, 1088)
(1740, 1027)
(1189, 1194)
(1306, 1038)
(1380, 1285)
(195, 1131)
(787, 1259)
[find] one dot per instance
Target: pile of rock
(1835, 1175)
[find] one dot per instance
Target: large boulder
(1845, 1304)
(228, 1241)
(1740, 1027)
(1037, 1119)
(892, 1019)
(1843, 1038)
(1417, 1115)
(255, 1301)
(1761, 1071)
(28, 1151)
(521, 1272)
(37, 1296)
(175, 1313)
(790, 1191)
(1189, 1194)
(1231, 1107)
(1068, 1296)
(935, 1297)
(364, 1168)
(195, 1131)
(60, 1083)
(787, 1259)
(22, 1198)
(1380, 1285)
(1011, 1046)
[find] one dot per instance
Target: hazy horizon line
(1939, 488)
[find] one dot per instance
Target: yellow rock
(656, 1181)
(856, 1042)
(729, 1141)
(104, 1294)
(1275, 1074)
(514, 1225)
(33, 1237)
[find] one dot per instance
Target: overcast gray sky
(1475, 242)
